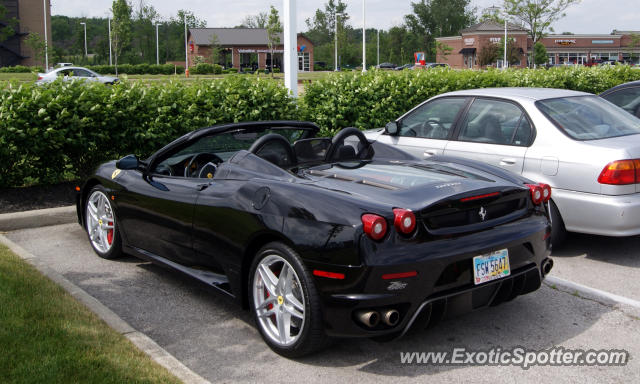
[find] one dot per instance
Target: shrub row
(206, 69)
(20, 69)
(371, 100)
(138, 69)
(49, 133)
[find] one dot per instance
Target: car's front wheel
(101, 225)
(285, 303)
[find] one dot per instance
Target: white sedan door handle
(507, 161)
(430, 152)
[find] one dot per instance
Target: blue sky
(589, 16)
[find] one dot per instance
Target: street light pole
(85, 38)
(290, 44)
(506, 64)
(364, 38)
(186, 48)
(110, 61)
(46, 40)
(157, 46)
(378, 48)
(335, 67)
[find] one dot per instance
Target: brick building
(561, 49)
(30, 15)
(244, 48)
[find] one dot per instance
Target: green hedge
(54, 132)
(206, 69)
(20, 69)
(138, 69)
(371, 100)
(60, 131)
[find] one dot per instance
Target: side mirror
(391, 128)
(128, 162)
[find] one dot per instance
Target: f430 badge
(396, 286)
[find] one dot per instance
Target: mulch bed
(37, 197)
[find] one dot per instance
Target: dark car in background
(625, 96)
(386, 66)
(323, 237)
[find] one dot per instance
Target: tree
(37, 45)
(514, 55)
(443, 50)
(633, 43)
(144, 34)
(7, 29)
(274, 29)
(216, 49)
(537, 15)
(488, 54)
(255, 21)
(121, 28)
(436, 18)
(540, 54)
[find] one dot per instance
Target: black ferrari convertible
(323, 237)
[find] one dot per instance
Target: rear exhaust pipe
(369, 318)
(547, 265)
(391, 317)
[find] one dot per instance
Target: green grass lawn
(46, 336)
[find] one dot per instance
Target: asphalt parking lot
(218, 340)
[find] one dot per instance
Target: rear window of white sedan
(589, 117)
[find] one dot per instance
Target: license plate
(491, 266)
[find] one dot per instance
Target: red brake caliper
(110, 234)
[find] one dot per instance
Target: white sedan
(586, 148)
(74, 73)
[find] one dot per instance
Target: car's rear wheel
(558, 231)
(285, 303)
(101, 225)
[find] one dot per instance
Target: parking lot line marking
(607, 296)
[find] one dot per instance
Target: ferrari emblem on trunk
(482, 213)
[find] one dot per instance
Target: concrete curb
(588, 292)
(139, 339)
(37, 218)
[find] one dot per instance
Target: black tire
(558, 231)
(312, 337)
(114, 250)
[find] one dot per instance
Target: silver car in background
(586, 148)
(74, 73)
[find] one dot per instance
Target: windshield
(589, 117)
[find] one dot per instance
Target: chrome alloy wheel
(100, 222)
(278, 300)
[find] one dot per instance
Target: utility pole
(364, 38)
(85, 39)
(336, 14)
(290, 47)
(157, 46)
(506, 64)
(46, 40)
(110, 61)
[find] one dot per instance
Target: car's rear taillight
(404, 221)
(536, 193)
(546, 192)
(39, 77)
(621, 172)
(374, 226)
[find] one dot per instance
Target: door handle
(507, 161)
(202, 187)
(430, 152)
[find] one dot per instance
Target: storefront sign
(469, 41)
(260, 51)
(601, 41)
(565, 42)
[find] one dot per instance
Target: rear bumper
(444, 284)
(599, 214)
